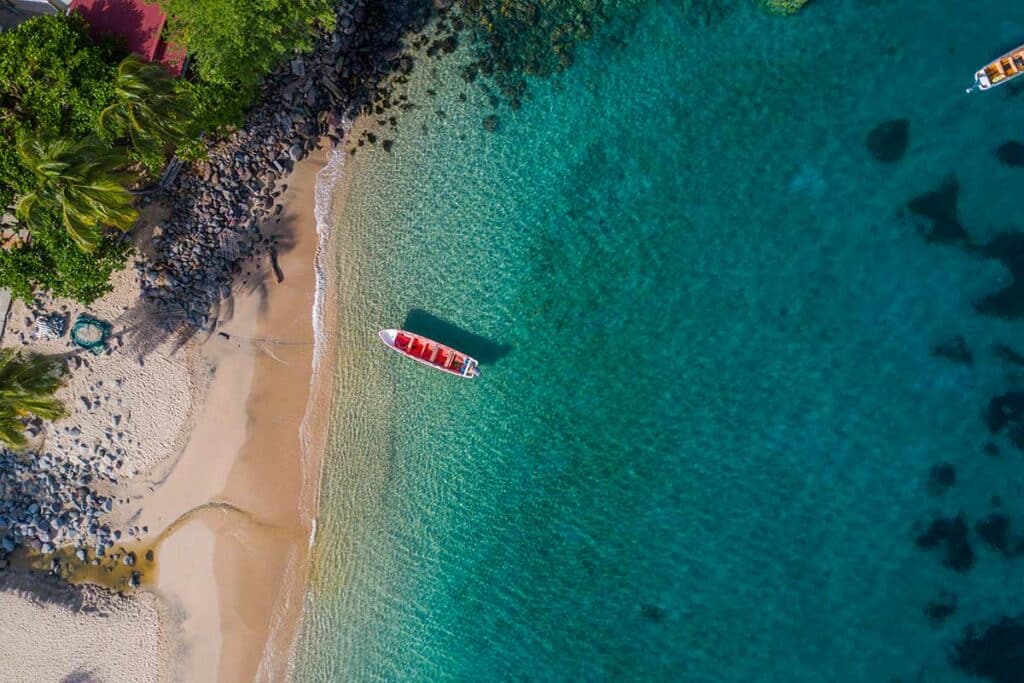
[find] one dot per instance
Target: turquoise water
(701, 445)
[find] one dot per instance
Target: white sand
(144, 408)
(59, 633)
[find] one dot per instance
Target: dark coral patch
(1004, 352)
(955, 350)
(941, 608)
(995, 531)
(991, 450)
(887, 141)
(997, 654)
(951, 535)
(1010, 153)
(940, 478)
(939, 207)
(1006, 412)
(654, 613)
(1008, 302)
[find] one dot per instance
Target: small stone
(80, 554)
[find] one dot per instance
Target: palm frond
(27, 386)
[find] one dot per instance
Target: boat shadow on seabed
(484, 350)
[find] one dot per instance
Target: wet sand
(235, 511)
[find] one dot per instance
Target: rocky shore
(202, 252)
(209, 245)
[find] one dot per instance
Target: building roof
(139, 23)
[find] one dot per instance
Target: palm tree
(146, 107)
(79, 181)
(27, 385)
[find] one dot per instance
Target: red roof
(138, 22)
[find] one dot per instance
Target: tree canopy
(54, 82)
(237, 43)
(27, 385)
(148, 110)
(79, 181)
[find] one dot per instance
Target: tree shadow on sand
(485, 351)
(167, 322)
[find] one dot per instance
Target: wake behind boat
(1001, 70)
(430, 352)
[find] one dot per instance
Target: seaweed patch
(1010, 153)
(955, 350)
(1006, 412)
(997, 654)
(940, 478)
(887, 141)
(941, 608)
(951, 535)
(939, 207)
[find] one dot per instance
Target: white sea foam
(326, 181)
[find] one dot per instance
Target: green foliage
(54, 81)
(784, 6)
(27, 386)
(213, 107)
(236, 43)
(147, 110)
(52, 262)
(81, 182)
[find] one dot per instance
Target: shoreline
(205, 507)
(237, 552)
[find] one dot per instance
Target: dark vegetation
(993, 651)
(54, 82)
(941, 608)
(1010, 153)
(82, 125)
(937, 209)
(941, 478)
(949, 535)
(887, 141)
(955, 349)
(997, 654)
(1006, 413)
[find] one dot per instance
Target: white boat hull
(467, 367)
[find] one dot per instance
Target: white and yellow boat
(1001, 70)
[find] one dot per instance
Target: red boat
(430, 352)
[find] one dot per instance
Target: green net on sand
(90, 333)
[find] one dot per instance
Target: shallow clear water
(701, 444)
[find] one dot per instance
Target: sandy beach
(218, 474)
(235, 559)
